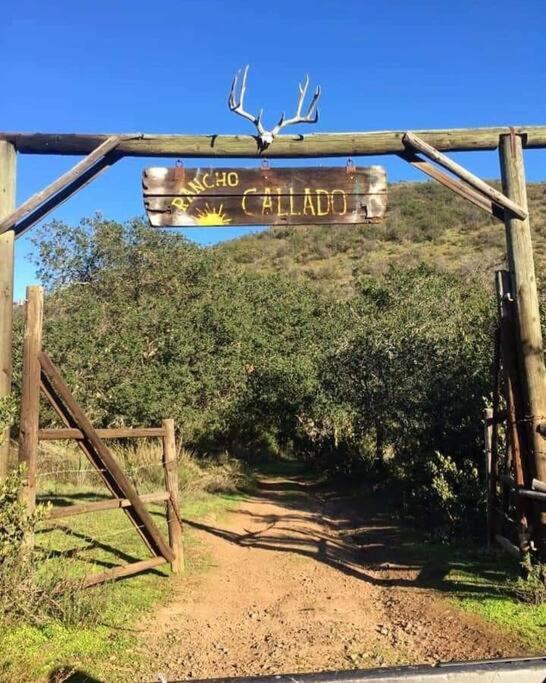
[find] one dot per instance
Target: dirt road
(301, 582)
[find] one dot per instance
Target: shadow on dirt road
(355, 536)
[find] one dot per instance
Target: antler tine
(237, 102)
(313, 109)
(258, 122)
(302, 87)
(311, 115)
(231, 98)
(243, 86)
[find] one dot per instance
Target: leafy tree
(388, 383)
(146, 324)
(415, 371)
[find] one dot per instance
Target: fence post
(30, 393)
(171, 484)
(7, 240)
(489, 480)
(530, 348)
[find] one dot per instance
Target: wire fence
(96, 470)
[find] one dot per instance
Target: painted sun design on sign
(212, 215)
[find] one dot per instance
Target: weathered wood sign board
(264, 196)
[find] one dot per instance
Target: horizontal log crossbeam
(535, 495)
(284, 146)
(537, 491)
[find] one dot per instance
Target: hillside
(425, 223)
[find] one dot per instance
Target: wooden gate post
(489, 480)
(30, 392)
(7, 205)
(171, 484)
(530, 348)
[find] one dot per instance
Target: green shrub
(447, 496)
(28, 593)
(412, 369)
(15, 522)
(8, 409)
(531, 590)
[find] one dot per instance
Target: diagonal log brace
(415, 143)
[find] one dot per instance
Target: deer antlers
(266, 137)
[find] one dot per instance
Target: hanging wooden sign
(265, 196)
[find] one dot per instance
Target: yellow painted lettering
(267, 202)
(340, 211)
(292, 211)
(221, 179)
(251, 190)
(308, 208)
(206, 182)
(321, 194)
(280, 212)
(180, 203)
(232, 179)
(195, 186)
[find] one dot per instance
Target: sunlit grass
(481, 583)
(94, 542)
(480, 586)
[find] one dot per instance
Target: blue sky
(166, 67)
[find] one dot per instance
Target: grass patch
(283, 467)
(103, 646)
(485, 584)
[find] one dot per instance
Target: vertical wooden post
(30, 392)
(515, 412)
(530, 350)
(515, 427)
(489, 481)
(7, 205)
(171, 484)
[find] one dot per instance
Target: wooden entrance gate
(40, 375)
(422, 149)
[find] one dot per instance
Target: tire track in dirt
(303, 582)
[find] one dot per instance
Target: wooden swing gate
(40, 375)
(514, 494)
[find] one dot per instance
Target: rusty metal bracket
(179, 171)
